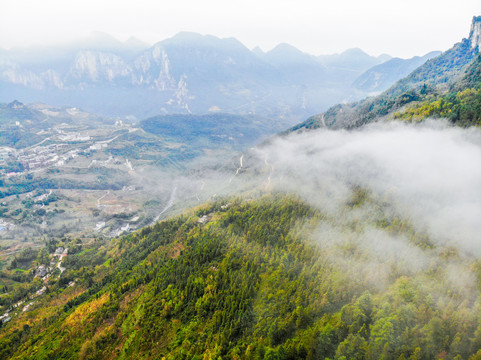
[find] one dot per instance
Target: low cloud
(430, 173)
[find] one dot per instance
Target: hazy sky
(399, 27)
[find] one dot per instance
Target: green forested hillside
(446, 86)
(242, 279)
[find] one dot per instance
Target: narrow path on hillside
(59, 265)
(170, 203)
(100, 198)
(238, 169)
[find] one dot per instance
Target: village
(57, 148)
(44, 273)
(42, 195)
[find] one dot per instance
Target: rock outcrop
(475, 33)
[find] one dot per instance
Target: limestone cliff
(475, 33)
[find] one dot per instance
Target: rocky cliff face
(96, 66)
(475, 33)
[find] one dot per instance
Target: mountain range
(188, 73)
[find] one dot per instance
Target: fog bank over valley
(429, 173)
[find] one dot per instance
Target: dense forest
(245, 278)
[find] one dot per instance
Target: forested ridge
(251, 282)
(447, 86)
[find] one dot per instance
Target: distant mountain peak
(195, 40)
(284, 47)
(15, 104)
(135, 42)
(355, 52)
(258, 51)
(187, 36)
(288, 54)
(384, 57)
(100, 35)
(99, 40)
(475, 33)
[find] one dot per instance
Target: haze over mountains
(188, 73)
(381, 77)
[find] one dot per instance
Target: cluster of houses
(43, 272)
(38, 157)
(45, 156)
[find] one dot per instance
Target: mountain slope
(239, 279)
(436, 82)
